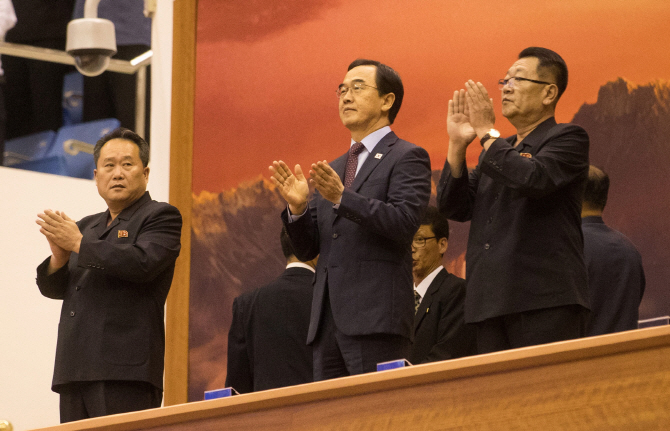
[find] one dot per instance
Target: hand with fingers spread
(326, 181)
(461, 133)
(480, 107)
(60, 230)
(292, 187)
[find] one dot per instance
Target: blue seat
(29, 147)
(75, 145)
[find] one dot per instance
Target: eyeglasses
(420, 242)
(511, 81)
(357, 88)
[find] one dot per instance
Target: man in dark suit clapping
(367, 206)
(113, 271)
(440, 331)
(267, 339)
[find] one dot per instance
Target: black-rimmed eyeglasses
(511, 81)
(420, 242)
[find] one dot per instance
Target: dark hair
(128, 135)
(437, 222)
(286, 246)
(387, 80)
(552, 62)
(597, 187)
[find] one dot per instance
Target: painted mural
(265, 90)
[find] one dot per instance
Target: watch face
(494, 133)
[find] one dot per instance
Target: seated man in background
(267, 342)
(616, 276)
(440, 331)
(113, 271)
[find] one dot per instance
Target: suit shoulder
(408, 146)
(452, 286)
(158, 206)
(245, 299)
(568, 129)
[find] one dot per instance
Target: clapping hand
(461, 133)
(292, 187)
(480, 108)
(326, 181)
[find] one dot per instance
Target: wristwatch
(493, 133)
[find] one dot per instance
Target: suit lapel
(100, 227)
(426, 302)
(372, 161)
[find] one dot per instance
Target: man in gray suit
(361, 220)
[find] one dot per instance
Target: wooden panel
(181, 168)
(614, 382)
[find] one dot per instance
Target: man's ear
(551, 95)
(442, 245)
(388, 100)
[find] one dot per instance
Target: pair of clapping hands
(63, 236)
(470, 114)
(294, 187)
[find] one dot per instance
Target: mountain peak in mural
(629, 127)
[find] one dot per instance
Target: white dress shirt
(300, 265)
(423, 286)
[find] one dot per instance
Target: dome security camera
(91, 41)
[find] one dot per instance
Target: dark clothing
(440, 331)
(111, 324)
(364, 245)
(40, 20)
(525, 243)
(337, 354)
(616, 278)
(34, 90)
(530, 328)
(267, 339)
(85, 400)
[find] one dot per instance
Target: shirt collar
(425, 283)
(371, 141)
(299, 265)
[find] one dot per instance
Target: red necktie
(352, 163)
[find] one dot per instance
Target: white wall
(28, 321)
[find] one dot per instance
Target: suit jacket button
(77, 288)
(334, 236)
(486, 246)
(72, 313)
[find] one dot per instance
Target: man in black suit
(526, 278)
(440, 331)
(113, 271)
(266, 341)
(361, 220)
(616, 276)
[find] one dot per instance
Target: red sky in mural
(265, 93)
